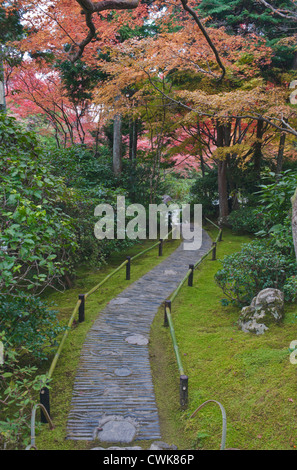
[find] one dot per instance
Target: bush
(36, 237)
(246, 220)
(290, 289)
(255, 267)
(19, 386)
(205, 191)
(28, 323)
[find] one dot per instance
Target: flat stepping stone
(137, 339)
(120, 301)
(123, 372)
(116, 429)
(114, 375)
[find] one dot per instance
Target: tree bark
(294, 221)
(222, 137)
(223, 192)
(117, 145)
(2, 83)
(280, 155)
(258, 147)
(133, 140)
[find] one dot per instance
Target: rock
(122, 372)
(265, 309)
(116, 429)
(117, 448)
(159, 445)
(137, 339)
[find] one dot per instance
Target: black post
(183, 391)
(170, 220)
(167, 305)
(81, 309)
(45, 401)
(190, 278)
(220, 236)
(161, 247)
(128, 268)
(214, 251)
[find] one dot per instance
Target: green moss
(251, 376)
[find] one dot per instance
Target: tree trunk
(133, 140)
(258, 147)
(2, 83)
(222, 177)
(280, 155)
(294, 221)
(117, 145)
(223, 193)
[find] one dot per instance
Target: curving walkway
(113, 396)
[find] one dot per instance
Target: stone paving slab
(113, 383)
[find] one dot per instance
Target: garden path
(113, 396)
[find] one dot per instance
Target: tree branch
(88, 8)
(205, 34)
(288, 14)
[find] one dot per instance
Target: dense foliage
(36, 235)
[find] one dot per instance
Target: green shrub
(36, 236)
(246, 220)
(19, 387)
(205, 191)
(290, 289)
(255, 267)
(28, 323)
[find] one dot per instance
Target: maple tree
(237, 122)
(70, 30)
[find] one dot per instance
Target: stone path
(113, 396)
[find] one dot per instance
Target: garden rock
(265, 309)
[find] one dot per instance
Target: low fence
(184, 380)
(79, 310)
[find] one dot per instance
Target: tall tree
(11, 28)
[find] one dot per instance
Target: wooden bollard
(167, 305)
(191, 275)
(44, 398)
(161, 247)
(81, 309)
(183, 391)
(214, 251)
(128, 268)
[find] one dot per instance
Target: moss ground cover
(251, 376)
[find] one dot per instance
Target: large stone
(266, 308)
(159, 445)
(116, 429)
(137, 339)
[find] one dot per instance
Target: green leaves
(19, 386)
(36, 237)
(256, 267)
(29, 323)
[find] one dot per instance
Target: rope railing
(168, 322)
(80, 309)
